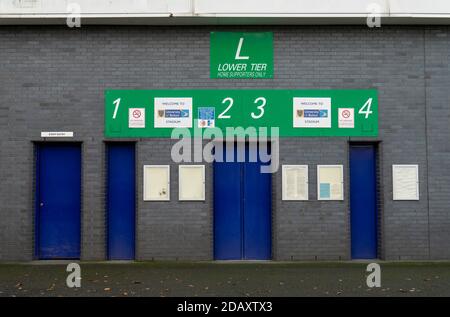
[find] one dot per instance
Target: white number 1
(116, 103)
(366, 108)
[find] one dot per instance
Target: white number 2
(116, 103)
(365, 110)
(223, 115)
(260, 107)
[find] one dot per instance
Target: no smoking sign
(137, 114)
(136, 118)
(346, 114)
(346, 118)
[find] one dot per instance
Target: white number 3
(260, 107)
(365, 109)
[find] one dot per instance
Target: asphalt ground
(191, 279)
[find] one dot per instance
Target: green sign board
(241, 55)
(296, 113)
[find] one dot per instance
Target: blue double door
(242, 205)
(363, 201)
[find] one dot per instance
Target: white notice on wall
(312, 113)
(330, 182)
(405, 179)
(173, 113)
(156, 182)
(295, 182)
(191, 182)
(136, 117)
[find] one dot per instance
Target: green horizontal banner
(296, 113)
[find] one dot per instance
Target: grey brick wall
(437, 44)
(53, 79)
(176, 229)
(309, 230)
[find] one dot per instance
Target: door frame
(35, 189)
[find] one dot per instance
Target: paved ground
(225, 279)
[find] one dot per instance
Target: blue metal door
(121, 200)
(257, 210)
(227, 207)
(363, 201)
(242, 208)
(58, 200)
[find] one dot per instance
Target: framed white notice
(191, 182)
(156, 182)
(295, 182)
(330, 182)
(405, 182)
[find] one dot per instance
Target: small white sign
(136, 117)
(295, 182)
(56, 134)
(312, 113)
(346, 118)
(173, 113)
(405, 179)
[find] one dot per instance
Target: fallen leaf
(51, 288)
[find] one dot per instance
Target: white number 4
(365, 110)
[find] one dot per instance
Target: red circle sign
(346, 114)
(136, 114)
